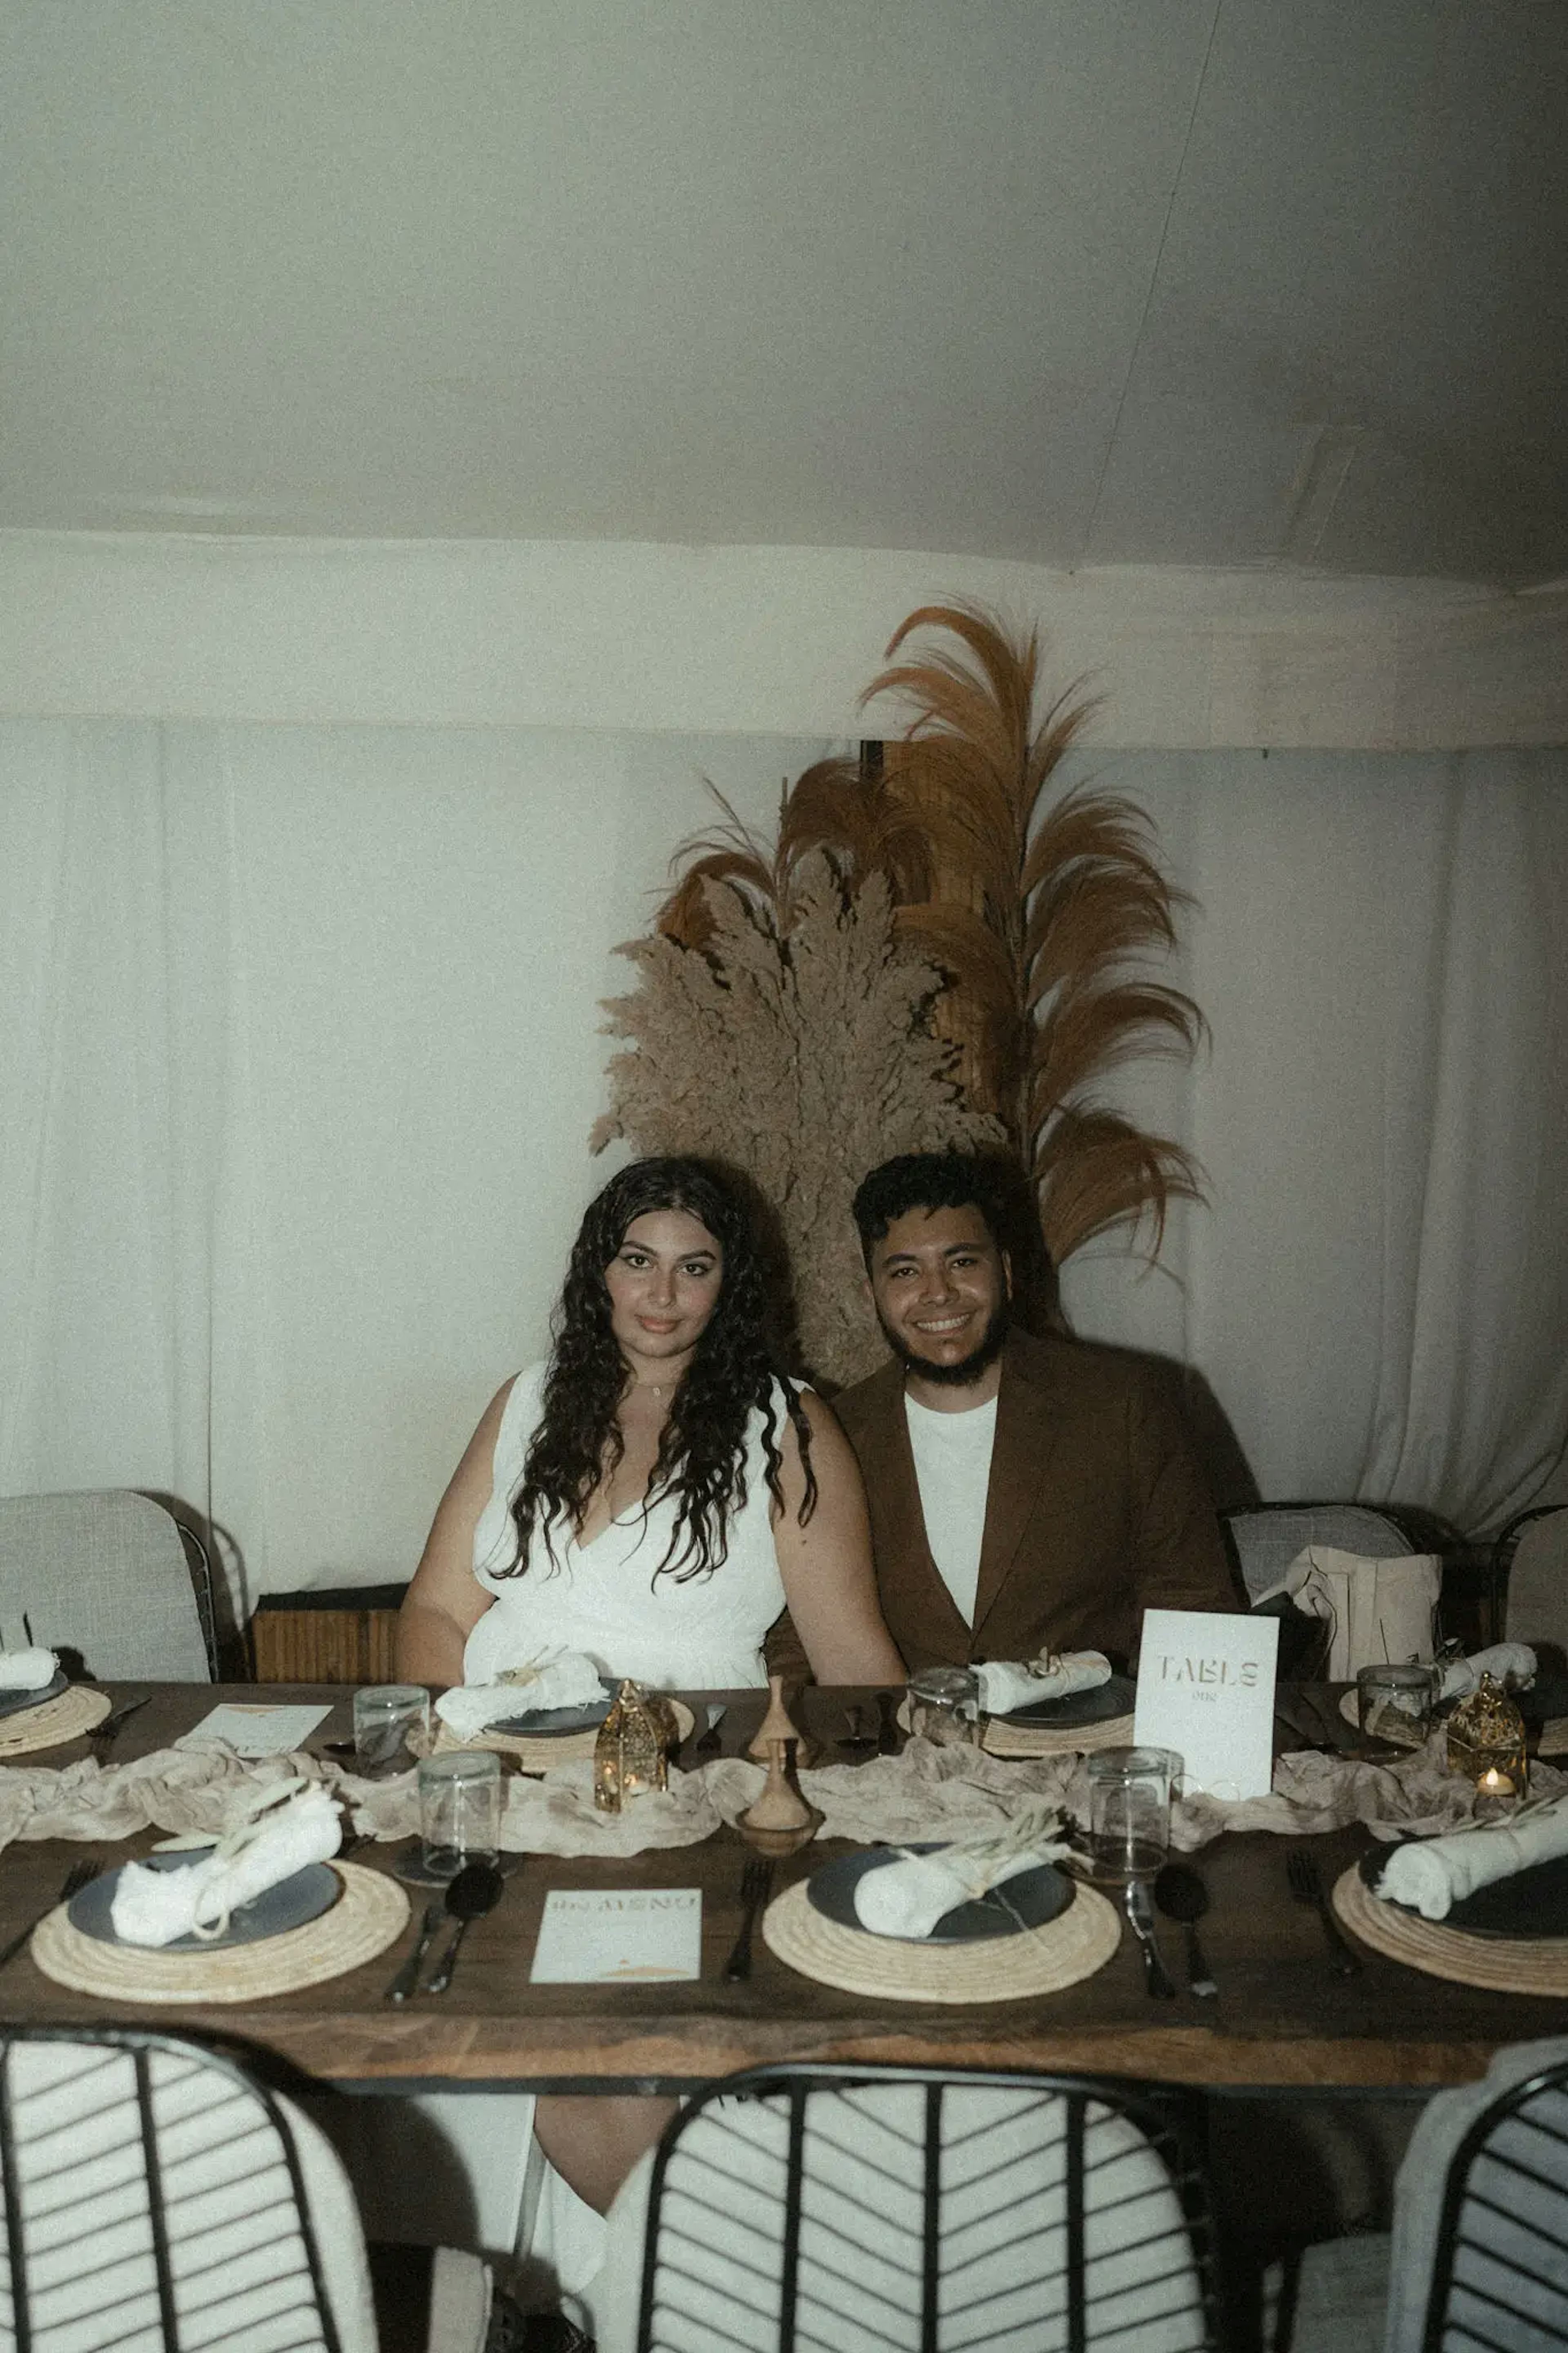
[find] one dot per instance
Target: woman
(654, 1496)
(657, 1493)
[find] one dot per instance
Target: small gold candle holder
(1486, 1743)
(631, 1752)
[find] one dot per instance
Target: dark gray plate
(289, 1904)
(1096, 1707)
(546, 1720)
(1031, 1899)
(13, 1703)
(1533, 1903)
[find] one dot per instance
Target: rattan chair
(1530, 1577)
(1479, 2255)
(106, 1573)
(1265, 1540)
(160, 2201)
(911, 2211)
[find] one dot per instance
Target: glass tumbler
(1395, 1702)
(944, 1706)
(1130, 1810)
(384, 1716)
(460, 1810)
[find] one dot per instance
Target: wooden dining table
(1282, 2019)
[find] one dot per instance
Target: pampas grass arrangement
(797, 1050)
(931, 952)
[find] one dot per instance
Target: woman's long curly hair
(701, 1459)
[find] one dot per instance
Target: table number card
(633, 1935)
(1205, 1688)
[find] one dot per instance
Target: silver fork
(76, 1879)
(755, 1881)
(103, 1736)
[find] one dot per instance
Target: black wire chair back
(1500, 2279)
(838, 2209)
(153, 2203)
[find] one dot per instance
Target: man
(1025, 1493)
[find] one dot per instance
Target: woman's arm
(826, 1566)
(445, 1600)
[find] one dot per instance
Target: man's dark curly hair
(928, 1180)
(701, 1459)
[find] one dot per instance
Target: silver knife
(1141, 1913)
(407, 1976)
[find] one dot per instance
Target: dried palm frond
(801, 1059)
(1042, 916)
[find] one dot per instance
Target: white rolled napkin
(908, 1897)
(154, 1907)
(1005, 1686)
(1433, 1875)
(27, 1670)
(1460, 1676)
(555, 1679)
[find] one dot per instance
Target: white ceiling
(1271, 282)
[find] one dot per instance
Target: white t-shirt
(952, 1464)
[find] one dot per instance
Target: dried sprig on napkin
(910, 1895)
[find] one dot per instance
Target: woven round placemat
(1001, 1738)
(537, 1756)
(997, 1968)
(54, 1721)
(1501, 1964)
(370, 1915)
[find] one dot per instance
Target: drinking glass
(944, 1706)
(1395, 1702)
(459, 1809)
(1130, 1810)
(384, 1716)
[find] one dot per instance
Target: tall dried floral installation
(933, 951)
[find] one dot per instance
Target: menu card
(1205, 1688)
(631, 1935)
(254, 1731)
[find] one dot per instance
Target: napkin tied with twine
(908, 1896)
(30, 1670)
(554, 1679)
(285, 1830)
(1004, 1685)
(1433, 1875)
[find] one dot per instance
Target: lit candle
(1493, 1784)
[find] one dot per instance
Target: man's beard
(969, 1368)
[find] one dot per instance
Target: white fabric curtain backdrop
(1377, 1290)
(302, 1051)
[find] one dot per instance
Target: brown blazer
(1097, 1510)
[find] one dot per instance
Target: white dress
(703, 1632)
(480, 2179)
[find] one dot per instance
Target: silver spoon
(478, 1889)
(1183, 1897)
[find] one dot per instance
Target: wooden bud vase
(780, 1819)
(777, 1726)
